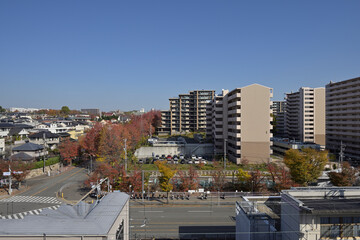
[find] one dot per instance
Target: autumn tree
(243, 179)
(306, 165)
(347, 176)
(69, 150)
(90, 142)
(218, 177)
(188, 180)
(280, 177)
(102, 171)
(166, 175)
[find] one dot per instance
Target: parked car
(141, 161)
(169, 157)
(203, 161)
(199, 157)
(189, 161)
(196, 161)
(181, 156)
(163, 156)
(176, 157)
(193, 157)
(157, 157)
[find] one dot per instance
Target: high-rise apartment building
(241, 122)
(305, 115)
(278, 108)
(187, 112)
(343, 118)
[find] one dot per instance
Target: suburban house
(45, 137)
(32, 149)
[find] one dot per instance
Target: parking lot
(176, 159)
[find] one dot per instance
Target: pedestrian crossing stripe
(32, 199)
(32, 212)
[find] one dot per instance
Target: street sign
(6, 173)
(18, 172)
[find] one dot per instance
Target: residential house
(45, 137)
(32, 149)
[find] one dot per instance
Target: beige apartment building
(241, 122)
(187, 112)
(305, 115)
(343, 118)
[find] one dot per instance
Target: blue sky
(136, 54)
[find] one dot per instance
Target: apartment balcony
(234, 134)
(236, 95)
(234, 126)
(341, 89)
(234, 119)
(354, 134)
(233, 104)
(234, 111)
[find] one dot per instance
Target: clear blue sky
(133, 54)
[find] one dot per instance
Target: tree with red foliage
(90, 142)
(69, 150)
(102, 171)
(256, 181)
(187, 180)
(16, 166)
(219, 180)
(347, 176)
(280, 177)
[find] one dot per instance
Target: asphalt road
(41, 193)
(185, 222)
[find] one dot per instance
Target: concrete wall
(173, 149)
(319, 116)
(39, 171)
(255, 123)
(290, 222)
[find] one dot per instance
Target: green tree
(306, 165)
(347, 176)
(2, 109)
(165, 179)
(65, 110)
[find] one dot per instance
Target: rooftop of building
(325, 200)
(80, 219)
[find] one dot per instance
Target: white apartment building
(241, 122)
(187, 112)
(305, 115)
(343, 118)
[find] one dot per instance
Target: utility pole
(10, 190)
(44, 151)
(342, 148)
(225, 143)
(125, 155)
(142, 185)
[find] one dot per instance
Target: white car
(203, 161)
(196, 161)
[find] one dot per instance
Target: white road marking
(150, 211)
(200, 211)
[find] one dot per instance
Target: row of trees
(107, 142)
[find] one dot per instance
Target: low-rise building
(106, 220)
(320, 213)
(281, 145)
(258, 217)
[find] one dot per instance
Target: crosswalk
(23, 214)
(32, 199)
